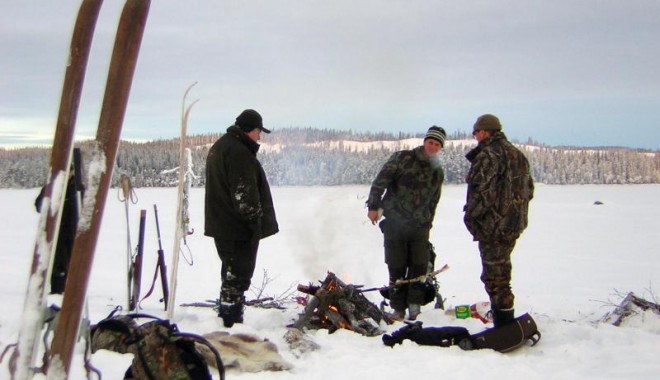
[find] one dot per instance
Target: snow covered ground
(573, 263)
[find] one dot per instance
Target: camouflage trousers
(496, 272)
(239, 259)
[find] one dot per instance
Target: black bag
(508, 337)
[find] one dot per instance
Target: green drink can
(462, 311)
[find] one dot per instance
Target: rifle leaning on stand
(160, 267)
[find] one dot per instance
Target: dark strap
(200, 339)
(153, 282)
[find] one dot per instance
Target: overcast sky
(562, 72)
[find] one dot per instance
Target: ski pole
(128, 194)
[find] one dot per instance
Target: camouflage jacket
(412, 184)
(499, 190)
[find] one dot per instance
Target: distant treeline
(295, 162)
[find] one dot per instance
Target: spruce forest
(314, 157)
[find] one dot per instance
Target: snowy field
(574, 262)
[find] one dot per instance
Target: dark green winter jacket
(499, 190)
(412, 185)
(238, 202)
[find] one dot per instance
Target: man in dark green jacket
(238, 209)
(412, 182)
(499, 190)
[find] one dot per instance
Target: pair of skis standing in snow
(128, 39)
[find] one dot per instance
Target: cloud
(370, 65)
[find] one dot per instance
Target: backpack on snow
(507, 338)
(160, 350)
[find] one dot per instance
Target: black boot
(502, 317)
(231, 313)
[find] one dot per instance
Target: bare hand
(373, 215)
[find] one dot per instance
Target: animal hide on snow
(299, 344)
(243, 352)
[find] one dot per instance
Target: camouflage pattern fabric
(115, 334)
(496, 272)
(499, 190)
(412, 185)
(159, 351)
(162, 355)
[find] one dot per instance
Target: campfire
(335, 305)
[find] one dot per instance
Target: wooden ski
(122, 67)
(181, 223)
(54, 191)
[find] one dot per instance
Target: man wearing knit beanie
(406, 192)
(436, 133)
(499, 189)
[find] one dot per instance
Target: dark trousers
(496, 272)
(239, 259)
(60, 265)
(406, 256)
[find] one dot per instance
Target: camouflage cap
(487, 122)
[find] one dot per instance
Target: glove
(401, 334)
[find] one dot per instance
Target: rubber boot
(231, 313)
(231, 309)
(400, 314)
(502, 317)
(413, 311)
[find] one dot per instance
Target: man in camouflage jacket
(499, 190)
(412, 182)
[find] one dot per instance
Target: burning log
(337, 305)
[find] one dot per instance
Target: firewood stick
(422, 277)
